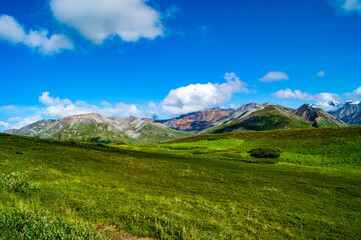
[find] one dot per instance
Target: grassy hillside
(206, 187)
(100, 133)
(273, 117)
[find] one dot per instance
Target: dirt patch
(114, 234)
(127, 236)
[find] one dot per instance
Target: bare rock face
(349, 113)
(197, 121)
(207, 119)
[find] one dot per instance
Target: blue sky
(165, 58)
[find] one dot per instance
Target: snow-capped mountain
(328, 106)
(350, 112)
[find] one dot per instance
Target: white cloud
(12, 31)
(54, 44)
(98, 20)
(15, 119)
(274, 77)
(352, 5)
(196, 97)
(48, 101)
(321, 74)
(288, 93)
(325, 101)
(22, 122)
(4, 124)
(325, 97)
(320, 97)
(152, 110)
(357, 91)
(354, 95)
(105, 103)
(57, 107)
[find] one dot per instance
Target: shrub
(121, 143)
(265, 153)
(18, 224)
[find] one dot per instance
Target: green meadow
(204, 187)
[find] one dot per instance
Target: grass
(205, 187)
(17, 224)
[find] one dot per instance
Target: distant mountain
(205, 120)
(350, 113)
(271, 117)
(249, 117)
(328, 106)
(196, 121)
(318, 117)
(96, 128)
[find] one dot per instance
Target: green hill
(205, 187)
(274, 117)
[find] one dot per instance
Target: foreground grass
(336, 148)
(201, 188)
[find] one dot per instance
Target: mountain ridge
(249, 117)
(97, 128)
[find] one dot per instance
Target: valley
(204, 187)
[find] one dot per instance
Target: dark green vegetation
(205, 187)
(265, 153)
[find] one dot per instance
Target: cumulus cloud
(325, 97)
(98, 20)
(12, 31)
(22, 122)
(288, 93)
(48, 101)
(54, 44)
(321, 74)
(274, 77)
(4, 124)
(320, 97)
(325, 101)
(57, 107)
(196, 97)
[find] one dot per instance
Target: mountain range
(96, 128)
(252, 117)
(249, 117)
(349, 112)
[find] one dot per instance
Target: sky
(164, 58)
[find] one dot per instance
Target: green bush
(16, 181)
(265, 153)
(18, 224)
